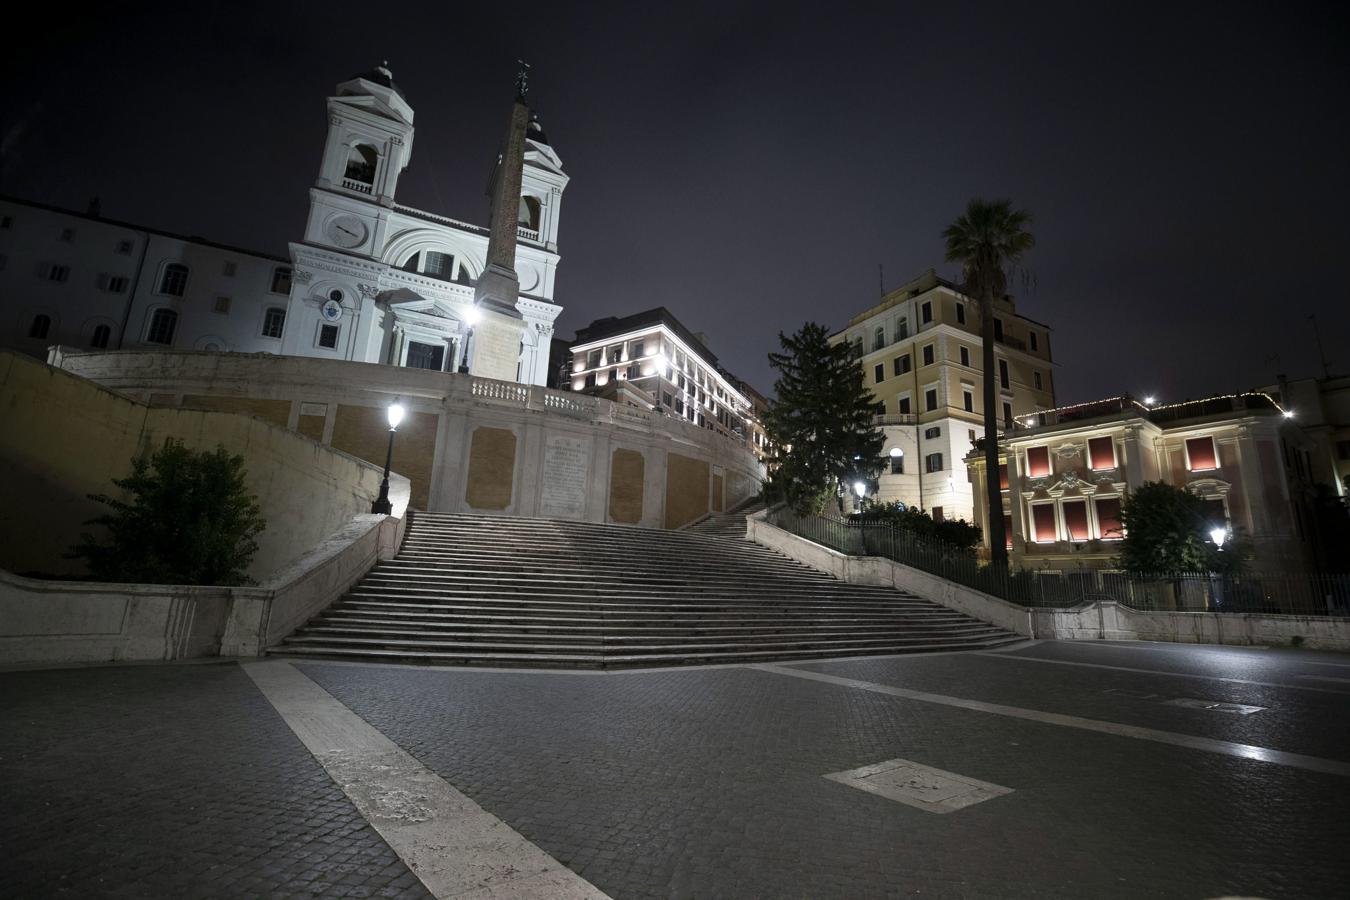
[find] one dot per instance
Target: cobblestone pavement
(167, 782)
(701, 783)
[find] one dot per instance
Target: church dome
(383, 77)
(536, 131)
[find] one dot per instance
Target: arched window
(529, 213)
(41, 325)
(99, 339)
(174, 281)
(162, 325)
(361, 164)
(879, 338)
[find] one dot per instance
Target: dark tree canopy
(822, 421)
(188, 519)
(1167, 530)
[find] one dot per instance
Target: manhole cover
(922, 787)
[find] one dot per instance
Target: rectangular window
(934, 462)
(1101, 454)
(1108, 518)
(593, 359)
(970, 435)
(228, 269)
(903, 405)
(901, 364)
(1036, 376)
(930, 399)
(965, 356)
(928, 355)
(426, 356)
(222, 305)
(926, 312)
(879, 373)
(1200, 454)
(937, 514)
(967, 400)
(934, 432)
(124, 248)
(1215, 512)
(1007, 531)
(998, 329)
(328, 336)
(162, 325)
(6, 222)
(898, 465)
(274, 322)
(1038, 462)
(113, 284)
(636, 350)
(1007, 415)
(634, 371)
(1003, 373)
(1043, 523)
(281, 281)
(1003, 477)
(960, 314)
(54, 272)
(879, 338)
(1032, 336)
(1076, 519)
(902, 331)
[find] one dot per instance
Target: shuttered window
(1200, 454)
(1101, 453)
(1043, 523)
(1076, 519)
(1108, 518)
(1038, 462)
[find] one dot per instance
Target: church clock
(345, 231)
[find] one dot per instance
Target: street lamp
(382, 506)
(472, 316)
(859, 488)
(1218, 536)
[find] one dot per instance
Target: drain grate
(922, 787)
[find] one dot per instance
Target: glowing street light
(1218, 536)
(859, 488)
(382, 506)
(1150, 400)
(1288, 413)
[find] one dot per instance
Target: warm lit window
(1003, 476)
(1101, 454)
(1200, 454)
(1076, 519)
(1007, 530)
(1109, 526)
(174, 280)
(1043, 523)
(162, 325)
(1038, 462)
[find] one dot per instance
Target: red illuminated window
(1076, 519)
(1108, 518)
(1038, 462)
(1101, 453)
(1200, 454)
(1043, 523)
(1003, 476)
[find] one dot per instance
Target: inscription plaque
(567, 466)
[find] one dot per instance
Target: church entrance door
(426, 356)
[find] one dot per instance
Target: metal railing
(1268, 593)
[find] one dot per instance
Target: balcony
(895, 419)
(359, 186)
(1010, 341)
(528, 234)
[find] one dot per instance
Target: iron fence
(1272, 593)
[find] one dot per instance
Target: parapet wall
(63, 438)
(468, 444)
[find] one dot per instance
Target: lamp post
(859, 488)
(471, 318)
(382, 506)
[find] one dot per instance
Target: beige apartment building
(921, 354)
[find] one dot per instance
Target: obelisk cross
(522, 79)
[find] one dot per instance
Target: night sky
(750, 165)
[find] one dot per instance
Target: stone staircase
(490, 590)
(726, 525)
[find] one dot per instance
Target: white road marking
(452, 844)
(1066, 662)
(1327, 678)
(1226, 748)
(922, 787)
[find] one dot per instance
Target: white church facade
(370, 281)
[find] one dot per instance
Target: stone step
(615, 604)
(632, 626)
(598, 647)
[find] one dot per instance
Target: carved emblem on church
(368, 290)
(301, 276)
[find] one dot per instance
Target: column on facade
(1253, 486)
(1015, 510)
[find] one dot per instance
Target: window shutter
(1043, 522)
(1201, 453)
(1101, 453)
(1038, 462)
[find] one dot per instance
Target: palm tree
(988, 237)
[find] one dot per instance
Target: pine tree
(821, 423)
(189, 520)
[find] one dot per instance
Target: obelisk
(497, 336)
